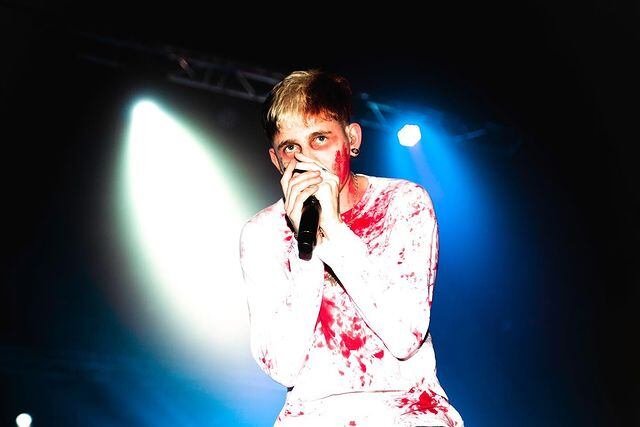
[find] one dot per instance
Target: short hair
(306, 94)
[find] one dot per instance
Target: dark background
(563, 76)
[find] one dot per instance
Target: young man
(347, 331)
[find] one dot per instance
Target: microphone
(308, 228)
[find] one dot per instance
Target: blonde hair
(305, 94)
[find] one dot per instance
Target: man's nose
(308, 152)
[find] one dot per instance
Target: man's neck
(350, 193)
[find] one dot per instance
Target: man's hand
(297, 189)
(327, 192)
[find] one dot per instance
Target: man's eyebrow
(319, 132)
(311, 136)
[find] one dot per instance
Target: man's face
(325, 141)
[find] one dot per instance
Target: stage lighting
(23, 420)
(409, 135)
(183, 217)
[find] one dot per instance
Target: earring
(355, 152)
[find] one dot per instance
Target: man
(346, 331)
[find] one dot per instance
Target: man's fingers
(302, 196)
(302, 158)
(308, 166)
(301, 181)
(294, 209)
(288, 171)
(307, 163)
(286, 177)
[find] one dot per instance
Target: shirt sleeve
(393, 288)
(282, 292)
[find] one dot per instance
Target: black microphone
(308, 229)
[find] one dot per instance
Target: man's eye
(289, 148)
(321, 138)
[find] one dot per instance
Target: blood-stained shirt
(347, 332)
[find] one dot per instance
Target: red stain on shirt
(379, 354)
(352, 423)
(353, 343)
(325, 318)
(372, 221)
(339, 320)
(363, 367)
(355, 323)
(346, 352)
(366, 223)
(426, 402)
(266, 361)
(416, 212)
(418, 335)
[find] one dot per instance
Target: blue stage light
(409, 135)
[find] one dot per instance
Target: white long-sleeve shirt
(347, 332)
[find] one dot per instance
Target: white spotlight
(23, 420)
(409, 135)
(184, 217)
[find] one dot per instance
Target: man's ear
(274, 160)
(354, 133)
